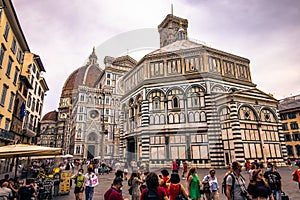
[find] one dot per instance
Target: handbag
(130, 190)
(206, 186)
(94, 180)
(284, 196)
(295, 176)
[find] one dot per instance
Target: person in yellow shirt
(79, 184)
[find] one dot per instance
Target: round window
(94, 114)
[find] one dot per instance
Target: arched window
(92, 137)
(151, 118)
(171, 119)
(156, 120)
(79, 133)
(162, 119)
(195, 100)
(203, 117)
(175, 102)
(81, 97)
(246, 113)
(191, 117)
(156, 104)
(195, 97)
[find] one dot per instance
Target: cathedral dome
(83, 76)
(50, 116)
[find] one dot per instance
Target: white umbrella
(67, 156)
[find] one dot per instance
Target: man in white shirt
(5, 192)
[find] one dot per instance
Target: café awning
(26, 150)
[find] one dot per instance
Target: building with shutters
(21, 89)
(289, 109)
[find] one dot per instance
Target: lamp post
(105, 92)
(102, 127)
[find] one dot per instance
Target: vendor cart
(64, 185)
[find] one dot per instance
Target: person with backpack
(153, 190)
(114, 192)
(212, 186)
(274, 180)
(176, 189)
(296, 176)
(79, 179)
(225, 177)
(235, 184)
(194, 184)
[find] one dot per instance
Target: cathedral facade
(191, 102)
(87, 121)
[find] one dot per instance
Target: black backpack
(151, 195)
(224, 183)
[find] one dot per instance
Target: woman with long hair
(194, 184)
(258, 187)
(134, 183)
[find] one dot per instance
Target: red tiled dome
(50, 116)
(77, 78)
(84, 76)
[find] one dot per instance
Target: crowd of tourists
(264, 183)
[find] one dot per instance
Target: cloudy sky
(64, 32)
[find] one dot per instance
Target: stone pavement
(289, 187)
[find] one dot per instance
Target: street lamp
(102, 127)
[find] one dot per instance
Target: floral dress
(136, 193)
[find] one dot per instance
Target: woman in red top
(153, 188)
(176, 188)
(297, 173)
(174, 167)
(165, 180)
